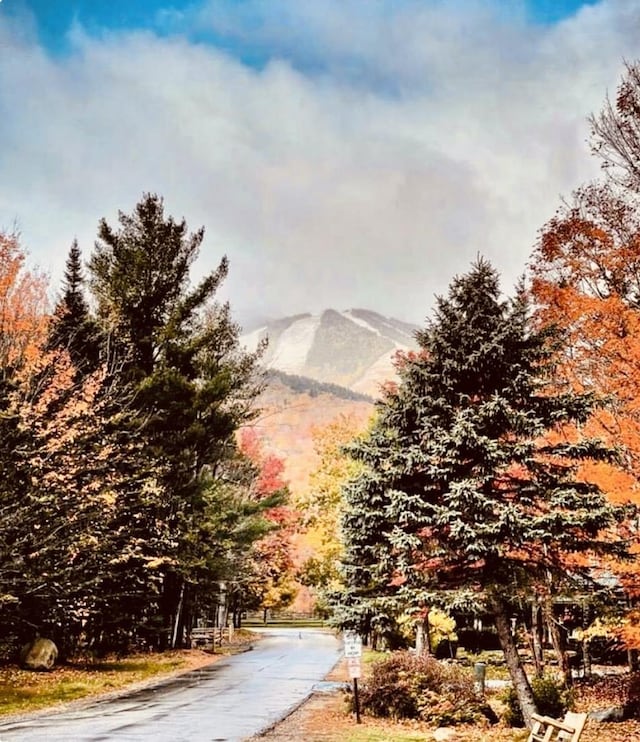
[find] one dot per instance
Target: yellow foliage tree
(322, 504)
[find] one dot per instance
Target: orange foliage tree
(586, 279)
(23, 307)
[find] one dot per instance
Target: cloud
(364, 162)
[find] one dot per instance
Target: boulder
(39, 654)
(613, 713)
(445, 734)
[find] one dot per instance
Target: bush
(551, 696)
(406, 686)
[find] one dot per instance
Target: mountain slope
(354, 348)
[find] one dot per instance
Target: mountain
(320, 368)
(352, 349)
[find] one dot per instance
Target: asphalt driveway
(229, 701)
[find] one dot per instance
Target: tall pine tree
(470, 490)
(72, 326)
(194, 386)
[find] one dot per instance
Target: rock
(39, 654)
(444, 734)
(613, 713)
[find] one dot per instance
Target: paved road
(231, 700)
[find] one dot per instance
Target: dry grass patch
(23, 691)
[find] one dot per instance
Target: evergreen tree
(470, 493)
(140, 275)
(14, 483)
(72, 326)
(193, 384)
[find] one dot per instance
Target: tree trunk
(512, 659)
(177, 620)
(168, 609)
(237, 618)
(423, 638)
(586, 658)
(187, 620)
(537, 638)
(632, 657)
(559, 643)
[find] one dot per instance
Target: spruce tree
(470, 492)
(72, 326)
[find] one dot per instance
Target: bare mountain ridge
(352, 349)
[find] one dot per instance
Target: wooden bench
(546, 729)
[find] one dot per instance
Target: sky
(341, 153)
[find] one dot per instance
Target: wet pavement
(226, 702)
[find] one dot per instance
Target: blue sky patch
(54, 18)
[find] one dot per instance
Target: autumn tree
(585, 279)
(321, 507)
(615, 132)
(23, 324)
(268, 582)
(80, 570)
(469, 494)
(23, 308)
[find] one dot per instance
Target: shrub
(420, 687)
(551, 696)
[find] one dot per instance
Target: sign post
(353, 655)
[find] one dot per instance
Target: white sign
(352, 644)
(353, 666)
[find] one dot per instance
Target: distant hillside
(353, 349)
(314, 388)
(288, 418)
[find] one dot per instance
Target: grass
(398, 734)
(370, 656)
(22, 691)
(496, 668)
(371, 735)
(364, 735)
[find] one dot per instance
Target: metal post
(479, 673)
(356, 699)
